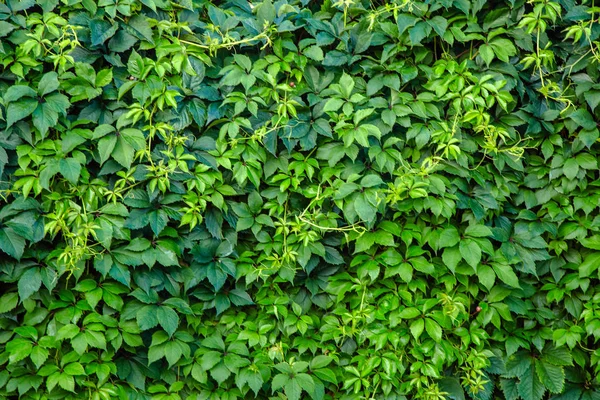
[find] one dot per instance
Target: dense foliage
(337, 199)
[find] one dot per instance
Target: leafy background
(299, 199)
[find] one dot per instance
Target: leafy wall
(299, 199)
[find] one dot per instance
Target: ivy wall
(294, 199)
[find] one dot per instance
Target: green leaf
(220, 373)
(29, 283)
(104, 78)
(486, 276)
(11, 243)
(70, 169)
(306, 382)
(16, 92)
(470, 251)
(529, 386)
(451, 257)
(265, 13)
(571, 168)
(6, 28)
(101, 31)
(158, 221)
(71, 140)
(253, 379)
(168, 319)
(433, 329)
(320, 361)
(452, 387)
(38, 356)
(590, 264)
(588, 137)
(19, 349)
(346, 84)
(506, 274)
(122, 41)
(509, 388)
(552, 376)
(66, 382)
(8, 302)
(106, 145)
(120, 273)
(557, 355)
(18, 110)
(586, 161)
(173, 352)
(240, 297)
(48, 83)
(335, 58)
(487, 53)
(503, 48)
(364, 209)
(139, 26)
(128, 142)
(95, 339)
(583, 118)
(409, 313)
(333, 104)
(439, 24)
(292, 389)
(478, 231)
(416, 328)
(314, 52)
(419, 32)
(68, 331)
(449, 237)
(74, 368)
(147, 317)
(593, 98)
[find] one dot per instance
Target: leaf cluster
(294, 199)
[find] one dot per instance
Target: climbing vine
(299, 199)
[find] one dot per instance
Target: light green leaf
(433, 329)
(66, 382)
(506, 274)
(416, 328)
(346, 85)
(487, 53)
(470, 251)
(486, 276)
(333, 104)
(168, 319)
(292, 389)
(590, 264)
(74, 368)
(18, 110)
(557, 355)
(451, 257)
(571, 168)
(314, 52)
